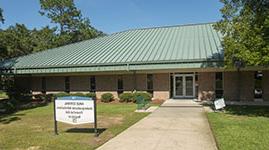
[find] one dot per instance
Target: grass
(33, 128)
(241, 127)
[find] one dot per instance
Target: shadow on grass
(85, 130)
(252, 111)
(208, 104)
(9, 112)
(32, 105)
(6, 119)
(7, 107)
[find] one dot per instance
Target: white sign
(74, 111)
(219, 103)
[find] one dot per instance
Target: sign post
(95, 119)
(75, 110)
(55, 122)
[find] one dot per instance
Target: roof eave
(122, 67)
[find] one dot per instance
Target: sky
(112, 16)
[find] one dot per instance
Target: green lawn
(241, 127)
(33, 128)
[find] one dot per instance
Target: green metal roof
(182, 46)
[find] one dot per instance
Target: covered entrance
(184, 86)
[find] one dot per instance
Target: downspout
(127, 67)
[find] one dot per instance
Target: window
(171, 85)
(196, 85)
(120, 84)
(150, 83)
(258, 85)
(219, 85)
(43, 85)
(67, 84)
(92, 84)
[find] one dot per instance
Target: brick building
(185, 61)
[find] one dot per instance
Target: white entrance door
(184, 86)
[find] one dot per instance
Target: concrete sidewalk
(177, 124)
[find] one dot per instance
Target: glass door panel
(184, 86)
(179, 86)
(189, 86)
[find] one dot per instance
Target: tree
(62, 12)
(245, 26)
(73, 27)
(18, 40)
(1, 16)
(43, 39)
(15, 41)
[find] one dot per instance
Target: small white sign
(219, 103)
(74, 111)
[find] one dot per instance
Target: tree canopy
(245, 26)
(1, 16)
(18, 40)
(62, 12)
(72, 25)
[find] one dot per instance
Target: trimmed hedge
(131, 97)
(126, 97)
(145, 95)
(107, 97)
(91, 94)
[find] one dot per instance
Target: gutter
(124, 64)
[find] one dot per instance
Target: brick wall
(161, 86)
(106, 84)
(246, 86)
(23, 83)
(55, 84)
(230, 86)
(128, 83)
(36, 84)
(141, 81)
(80, 84)
(206, 82)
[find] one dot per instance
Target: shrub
(107, 97)
(91, 94)
(19, 95)
(145, 95)
(77, 94)
(39, 97)
(49, 97)
(10, 107)
(7, 106)
(44, 97)
(126, 97)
